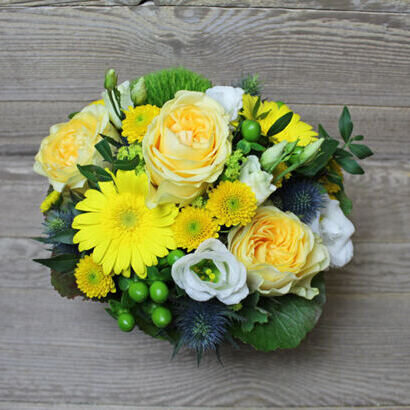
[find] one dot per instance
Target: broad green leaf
(126, 164)
(257, 147)
(65, 237)
(322, 132)
(124, 283)
(280, 124)
(358, 138)
(341, 153)
(360, 150)
(103, 147)
(61, 263)
(345, 203)
(65, 284)
(350, 166)
(345, 124)
(291, 318)
(112, 141)
(244, 146)
(252, 315)
(94, 173)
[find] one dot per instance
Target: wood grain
(377, 268)
(54, 350)
(68, 3)
(304, 56)
(385, 129)
(402, 6)
(380, 200)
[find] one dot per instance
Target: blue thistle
(303, 198)
(202, 325)
(57, 221)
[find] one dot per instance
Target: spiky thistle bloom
(250, 83)
(202, 325)
(303, 198)
(232, 203)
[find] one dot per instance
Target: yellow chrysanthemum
(91, 280)
(232, 203)
(137, 120)
(296, 129)
(123, 231)
(193, 226)
(51, 199)
(331, 187)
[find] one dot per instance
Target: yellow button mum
(122, 230)
(136, 121)
(193, 226)
(296, 129)
(91, 280)
(232, 203)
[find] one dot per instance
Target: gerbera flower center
(129, 219)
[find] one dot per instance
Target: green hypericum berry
(126, 322)
(149, 306)
(173, 256)
(158, 291)
(138, 291)
(161, 317)
(251, 130)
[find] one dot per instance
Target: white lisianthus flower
(212, 271)
(125, 100)
(336, 231)
(259, 181)
(229, 97)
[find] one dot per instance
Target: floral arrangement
(201, 214)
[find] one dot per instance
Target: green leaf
(256, 107)
(244, 146)
(126, 164)
(291, 318)
(350, 166)
(280, 124)
(360, 150)
(358, 138)
(65, 237)
(94, 173)
(263, 115)
(61, 263)
(111, 313)
(126, 301)
(341, 153)
(112, 141)
(345, 203)
(103, 147)
(322, 132)
(257, 147)
(114, 305)
(345, 124)
(65, 284)
(154, 274)
(124, 283)
(70, 116)
(327, 150)
(252, 315)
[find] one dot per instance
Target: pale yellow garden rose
(185, 147)
(281, 253)
(72, 143)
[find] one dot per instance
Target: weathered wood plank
(372, 5)
(380, 200)
(305, 56)
(376, 268)
(54, 351)
(385, 129)
(67, 3)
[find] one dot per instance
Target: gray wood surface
(314, 55)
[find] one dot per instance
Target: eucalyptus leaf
(103, 147)
(280, 124)
(350, 166)
(345, 124)
(360, 150)
(291, 318)
(112, 141)
(358, 138)
(94, 173)
(322, 132)
(126, 164)
(345, 203)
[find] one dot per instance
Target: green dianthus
(233, 166)
(130, 152)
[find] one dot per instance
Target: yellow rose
(72, 143)
(185, 147)
(280, 252)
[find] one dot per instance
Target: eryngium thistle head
(202, 325)
(58, 221)
(250, 83)
(303, 198)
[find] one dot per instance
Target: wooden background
(314, 55)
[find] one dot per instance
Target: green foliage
(250, 83)
(60, 263)
(94, 173)
(280, 124)
(162, 85)
(233, 166)
(65, 284)
(290, 319)
(252, 313)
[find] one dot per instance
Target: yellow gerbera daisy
(296, 129)
(193, 226)
(232, 203)
(91, 280)
(119, 226)
(136, 121)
